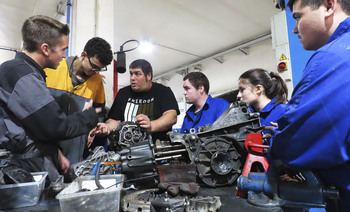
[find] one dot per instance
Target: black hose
(97, 178)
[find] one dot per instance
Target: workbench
(226, 194)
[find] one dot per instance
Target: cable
(8, 49)
(128, 50)
(130, 180)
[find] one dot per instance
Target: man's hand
(270, 128)
(89, 105)
(101, 129)
(90, 138)
(166, 121)
(98, 110)
(144, 122)
(104, 129)
(63, 163)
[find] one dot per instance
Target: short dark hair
(101, 49)
(273, 83)
(197, 79)
(315, 4)
(144, 65)
(40, 29)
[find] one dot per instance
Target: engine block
(217, 149)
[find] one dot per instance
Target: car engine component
(99, 155)
(126, 135)
(217, 149)
(142, 201)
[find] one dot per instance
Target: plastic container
(22, 194)
(107, 199)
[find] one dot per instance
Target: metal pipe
(160, 147)
(170, 152)
(167, 158)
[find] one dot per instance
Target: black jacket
(31, 122)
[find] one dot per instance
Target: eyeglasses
(96, 67)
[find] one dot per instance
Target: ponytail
(273, 83)
(280, 90)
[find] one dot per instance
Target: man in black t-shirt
(151, 105)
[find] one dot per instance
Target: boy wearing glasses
(75, 82)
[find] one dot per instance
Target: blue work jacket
(314, 132)
(212, 110)
(270, 113)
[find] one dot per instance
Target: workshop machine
(216, 149)
(218, 152)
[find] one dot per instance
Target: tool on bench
(256, 152)
(267, 189)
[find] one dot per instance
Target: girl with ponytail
(265, 93)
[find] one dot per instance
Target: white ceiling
(188, 31)
(14, 12)
(184, 31)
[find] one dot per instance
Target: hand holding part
(100, 129)
(144, 122)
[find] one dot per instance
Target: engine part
(56, 186)
(216, 149)
(142, 200)
(99, 155)
(138, 161)
(167, 204)
(15, 175)
(184, 173)
(268, 190)
(202, 204)
(127, 134)
(218, 161)
(4, 153)
(175, 188)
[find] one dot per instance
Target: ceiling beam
(238, 47)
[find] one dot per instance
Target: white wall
(6, 55)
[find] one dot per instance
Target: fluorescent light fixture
(146, 47)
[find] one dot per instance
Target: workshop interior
(219, 167)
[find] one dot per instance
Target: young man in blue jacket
(205, 109)
(314, 132)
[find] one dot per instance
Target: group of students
(311, 130)
(44, 99)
